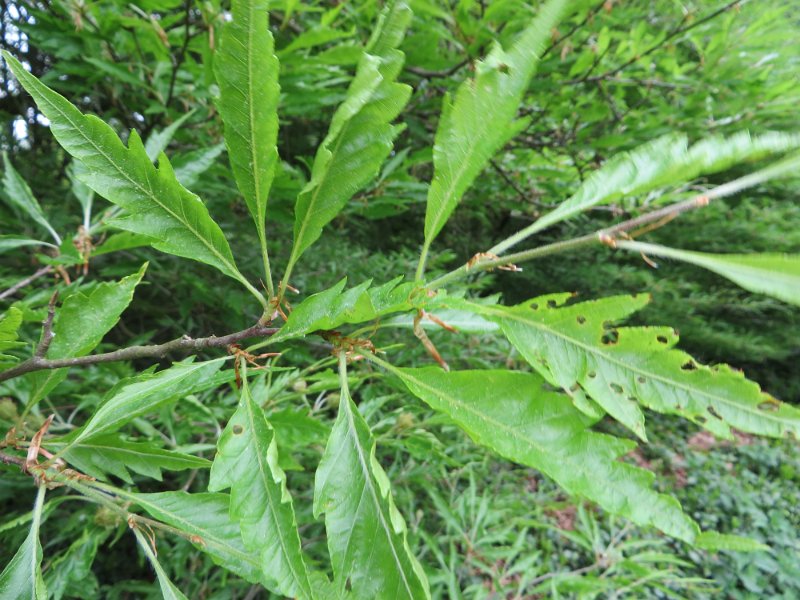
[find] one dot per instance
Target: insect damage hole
(238, 430)
(610, 337)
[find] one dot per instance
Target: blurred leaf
(22, 577)
(714, 541)
(20, 194)
(168, 589)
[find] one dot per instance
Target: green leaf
(511, 413)
(70, 574)
(712, 540)
(204, 516)
(776, 275)
(330, 308)
(189, 166)
(667, 160)
(366, 532)
(247, 69)
(22, 577)
(622, 368)
(481, 118)
(144, 394)
(20, 194)
(168, 589)
(12, 242)
(247, 463)
(361, 135)
(80, 324)
(110, 454)
(156, 204)
(9, 325)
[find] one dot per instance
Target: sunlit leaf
(22, 577)
(711, 540)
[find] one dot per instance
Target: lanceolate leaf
(247, 463)
(476, 124)
(667, 160)
(18, 192)
(156, 204)
(204, 516)
(361, 134)
(246, 69)
(110, 454)
(159, 140)
(80, 325)
(145, 394)
(12, 242)
(777, 275)
(22, 577)
(513, 415)
(623, 367)
(366, 532)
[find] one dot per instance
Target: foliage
(553, 120)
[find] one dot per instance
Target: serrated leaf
(666, 160)
(366, 532)
(9, 325)
(247, 69)
(20, 194)
(624, 367)
(330, 308)
(156, 204)
(146, 393)
(80, 324)
(189, 166)
(361, 135)
(169, 590)
(22, 577)
(70, 574)
(511, 413)
(712, 540)
(247, 463)
(480, 119)
(205, 516)
(111, 454)
(776, 275)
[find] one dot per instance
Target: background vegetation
(616, 75)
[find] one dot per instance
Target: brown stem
(21, 284)
(185, 344)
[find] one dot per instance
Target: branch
(185, 344)
(21, 284)
(47, 328)
(437, 74)
(607, 236)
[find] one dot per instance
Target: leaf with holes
(366, 532)
(513, 414)
(622, 368)
(247, 463)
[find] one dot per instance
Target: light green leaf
(204, 516)
(247, 69)
(9, 325)
(124, 240)
(361, 134)
(366, 532)
(480, 119)
(159, 140)
(622, 368)
(22, 577)
(712, 540)
(110, 454)
(247, 463)
(667, 160)
(511, 413)
(155, 203)
(168, 589)
(330, 308)
(20, 194)
(144, 394)
(776, 275)
(12, 242)
(80, 324)
(189, 166)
